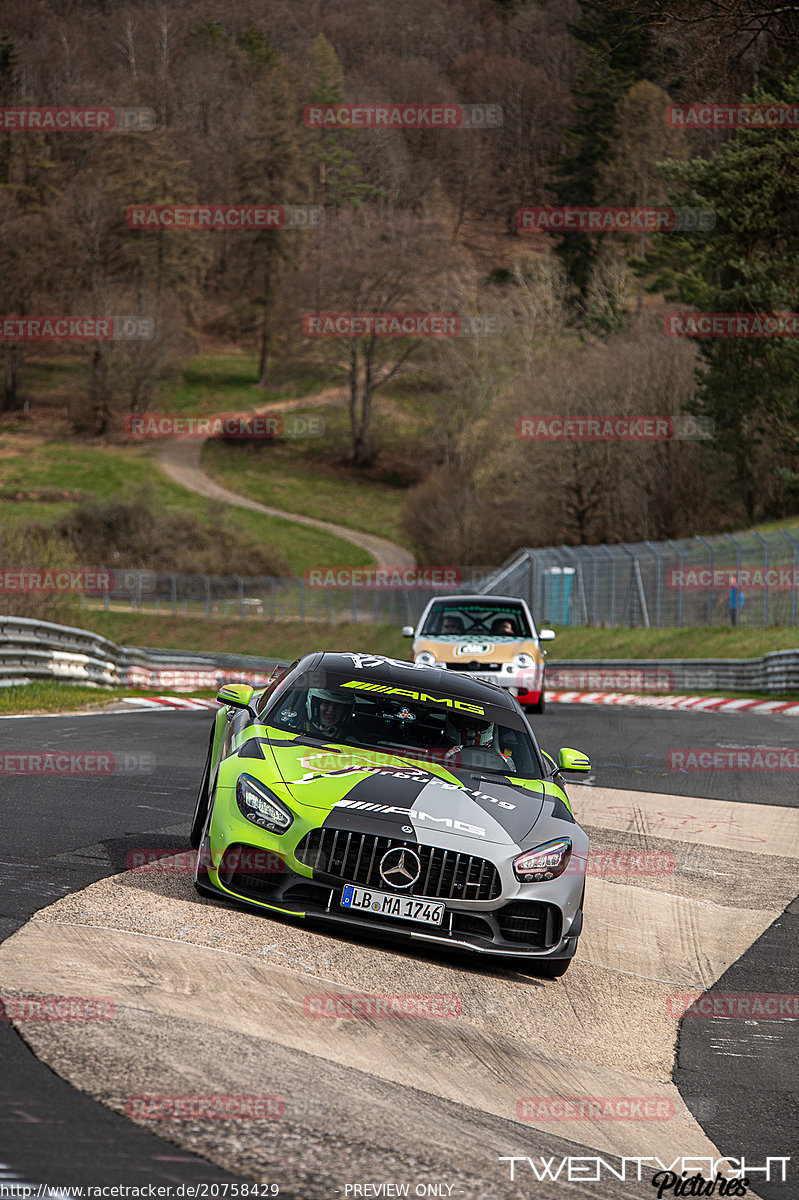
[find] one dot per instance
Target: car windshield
(476, 621)
(377, 714)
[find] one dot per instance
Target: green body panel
(310, 780)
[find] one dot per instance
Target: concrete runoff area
(212, 999)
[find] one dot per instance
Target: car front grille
(351, 857)
(473, 666)
(533, 922)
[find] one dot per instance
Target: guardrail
(32, 650)
(775, 673)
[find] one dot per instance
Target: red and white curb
(628, 699)
(693, 703)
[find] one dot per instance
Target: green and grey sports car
(397, 798)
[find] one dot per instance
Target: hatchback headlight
(261, 806)
(426, 659)
(543, 863)
(524, 661)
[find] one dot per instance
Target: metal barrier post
(795, 589)
(659, 581)
(764, 544)
(709, 549)
(681, 557)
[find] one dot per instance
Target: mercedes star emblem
(400, 868)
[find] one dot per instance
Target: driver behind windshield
(328, 714)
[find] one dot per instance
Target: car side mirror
(573, 760)
(546, 635)
(407, 631)
(236, 695)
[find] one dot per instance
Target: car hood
(390, 794)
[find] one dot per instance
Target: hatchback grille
(355, 858)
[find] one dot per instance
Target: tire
(201, 807)
(541, 705)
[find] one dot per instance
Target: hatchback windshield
(476, 621)
(409, 721)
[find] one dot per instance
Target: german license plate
(384, 904)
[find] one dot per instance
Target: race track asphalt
(65, 832)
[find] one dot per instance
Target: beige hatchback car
(493, 638)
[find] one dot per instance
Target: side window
(265, 696)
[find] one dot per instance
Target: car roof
(500, 601)
(389, 670)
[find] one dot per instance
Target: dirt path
(182, 462)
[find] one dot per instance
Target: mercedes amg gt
(399, 799)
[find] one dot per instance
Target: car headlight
(260, 806)
(426, 659)
(524, 661)
(545, 862)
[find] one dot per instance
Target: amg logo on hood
(447, 822)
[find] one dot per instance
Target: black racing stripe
(486, 794)
(384, 790)
(397, 788)
(359, 820)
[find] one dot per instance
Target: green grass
(579, 642)
(291, 475)
(226, 382)
(281, 639)
(104, 472)
(46, 695)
